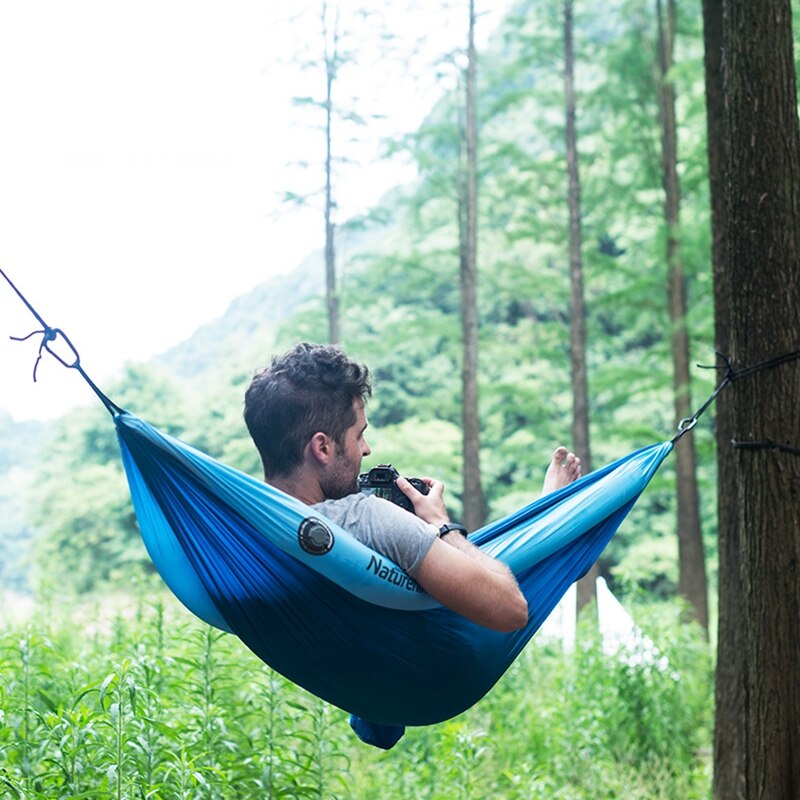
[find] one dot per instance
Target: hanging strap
(50, 334)
(687, 423)
(731, 374)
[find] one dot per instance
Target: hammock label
(315, 537)
(392, 574)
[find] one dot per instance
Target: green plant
(154, 704)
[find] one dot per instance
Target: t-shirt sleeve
(383, 526)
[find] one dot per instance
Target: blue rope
(50, 334)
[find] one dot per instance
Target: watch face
(315, 537)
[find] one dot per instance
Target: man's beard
(342, 478)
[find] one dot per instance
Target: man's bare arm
(455, 539)
(460, 576)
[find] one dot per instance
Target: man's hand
(429, 507)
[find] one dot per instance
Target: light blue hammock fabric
(332, 615)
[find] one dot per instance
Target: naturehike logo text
(392, 575)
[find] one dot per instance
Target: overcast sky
(143, 153)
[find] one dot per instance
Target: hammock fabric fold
(332, 615)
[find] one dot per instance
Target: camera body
(380, 481)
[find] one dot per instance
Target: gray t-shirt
(383, 526)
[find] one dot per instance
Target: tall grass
(155, 704)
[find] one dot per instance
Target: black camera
(380, 481)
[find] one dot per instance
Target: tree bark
(474, 504)
(586, 588)
(762, 318)
(691, 556)
(728, 739)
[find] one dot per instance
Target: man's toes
(559, 455)
(573, 465)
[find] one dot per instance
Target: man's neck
(306, 491)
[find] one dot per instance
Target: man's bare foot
(564, 468)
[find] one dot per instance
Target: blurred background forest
(65, 513)
(67, 527)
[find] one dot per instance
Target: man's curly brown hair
(308, 389)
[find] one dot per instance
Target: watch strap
(453, 526)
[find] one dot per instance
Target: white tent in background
(560, 625)
(619, 632)
(617, 628)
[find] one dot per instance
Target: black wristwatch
(452, 526)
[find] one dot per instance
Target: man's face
(341, 474)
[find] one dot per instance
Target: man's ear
(321, 447)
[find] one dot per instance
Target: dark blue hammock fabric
(346, 624)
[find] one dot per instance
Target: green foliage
(15, 530)
(82, 508)
(147, 702)
(93, 528)
(19, 442)
(20, 448)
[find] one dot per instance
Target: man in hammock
(306, 415)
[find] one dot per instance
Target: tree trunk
(331, 296)
(580, 388)
(728, 739)
(691, 557)
(763, 318)
(474, 503)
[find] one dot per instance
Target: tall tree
(691, 558)
(760, 317)
(474, 504)
(345, 41)
(730, 693)
(580, 383)
(329, 64)
(330, 37)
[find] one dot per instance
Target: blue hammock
(337, 618)
(327, 612)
